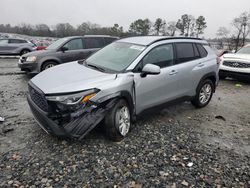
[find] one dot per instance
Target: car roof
(148, 40)
(72, 37)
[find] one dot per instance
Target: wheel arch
(211, 76)
(48, 60)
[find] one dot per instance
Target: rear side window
(109, 40)
(15, 41)
(202, 50)
(93, 42)
(163, 56)
(185, 52)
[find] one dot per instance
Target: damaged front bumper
(71, 125)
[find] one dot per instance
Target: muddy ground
(179, 146)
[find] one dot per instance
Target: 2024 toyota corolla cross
(121, 81)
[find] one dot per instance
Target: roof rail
(98, 36)
(171, 38)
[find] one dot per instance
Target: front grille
(38, 98)
(236, 64)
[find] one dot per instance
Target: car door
(13, 45)
(3, 46)
(154, 90)
(74, 50)
(189, 66)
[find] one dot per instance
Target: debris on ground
(220, 117)
(1, 119)
(238, 85)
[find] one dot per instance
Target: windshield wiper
(96, 67)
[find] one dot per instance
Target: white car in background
(236, 65)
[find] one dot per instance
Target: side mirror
(63, 49)
(150, 69)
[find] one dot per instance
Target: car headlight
(76, 98)
(31, 58)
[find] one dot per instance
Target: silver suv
(121, 81)
(16, 46)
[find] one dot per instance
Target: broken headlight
(73, 98)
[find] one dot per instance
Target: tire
(223, 77)
(48, 64)
(25, 51)
(116, 130)
(204, 93)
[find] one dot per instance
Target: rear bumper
(237, 75)
(76, 127)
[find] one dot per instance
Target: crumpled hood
(70, 77)
(237, 56)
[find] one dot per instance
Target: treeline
(187, 25)
(236, 35)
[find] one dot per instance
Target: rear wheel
(118, 121)
(48, 65)
(25, 51)
(204, 93)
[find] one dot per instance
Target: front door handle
(173, 72)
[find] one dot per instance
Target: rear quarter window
(202, 50)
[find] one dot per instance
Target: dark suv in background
(62, 51)
(16, 46)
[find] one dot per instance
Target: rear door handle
(200, 64)
(173, 72)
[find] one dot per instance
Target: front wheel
(48, 65)
(118, 121)
(204, 94)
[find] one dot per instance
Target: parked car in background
(62, 51)
(42, 45)
(13, 46)
(222, 52)
(236, 65)
(121, 81)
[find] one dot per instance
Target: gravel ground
(179, 146)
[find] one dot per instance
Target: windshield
(244, 50)
(116, 56)
(56, 44)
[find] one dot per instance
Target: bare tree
(170, 28)
(159, 26)
(185, 24)
(200, 25)
(242, 28)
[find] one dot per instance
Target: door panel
(153, 90)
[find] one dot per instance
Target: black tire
(48, 64)
(111, 122)
(201, 94)
(25, 51)
(222, 76)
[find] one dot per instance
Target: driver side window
(74, 44)
(163, 56)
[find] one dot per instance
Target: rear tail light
(218, 60)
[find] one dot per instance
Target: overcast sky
(107, 12)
